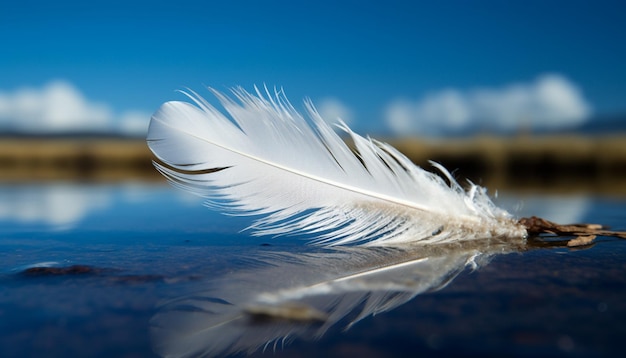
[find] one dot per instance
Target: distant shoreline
(559, 162)
(564, 162)
(70, 158)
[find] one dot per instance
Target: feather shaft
(299, 176)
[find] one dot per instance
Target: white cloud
(550, 102)
(134, 123)
(59, 107)
(331, 109)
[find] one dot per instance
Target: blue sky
(362, 60)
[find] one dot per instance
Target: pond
(139, 269)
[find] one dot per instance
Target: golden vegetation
(71, 159)
(563, 163)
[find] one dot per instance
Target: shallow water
(138, 247)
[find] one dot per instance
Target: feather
(296, 175)
(289, 295)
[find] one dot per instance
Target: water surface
(136, 248)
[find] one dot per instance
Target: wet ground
(85, 269)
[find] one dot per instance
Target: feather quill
(296, 175)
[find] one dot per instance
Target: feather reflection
(301, 295)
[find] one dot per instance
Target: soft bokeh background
(392, 68)
(527, 98)
(504, 92)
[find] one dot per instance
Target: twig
(585, 233)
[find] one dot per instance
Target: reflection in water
(61, 205)
(289, 295)
(560, 209)
(55, 204)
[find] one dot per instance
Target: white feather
(264, 158)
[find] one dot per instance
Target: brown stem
(536, 226)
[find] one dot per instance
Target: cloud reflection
(59, 205)
(563, 209)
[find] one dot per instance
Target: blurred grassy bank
(554, 163)
(562, 163)
(88, 159)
